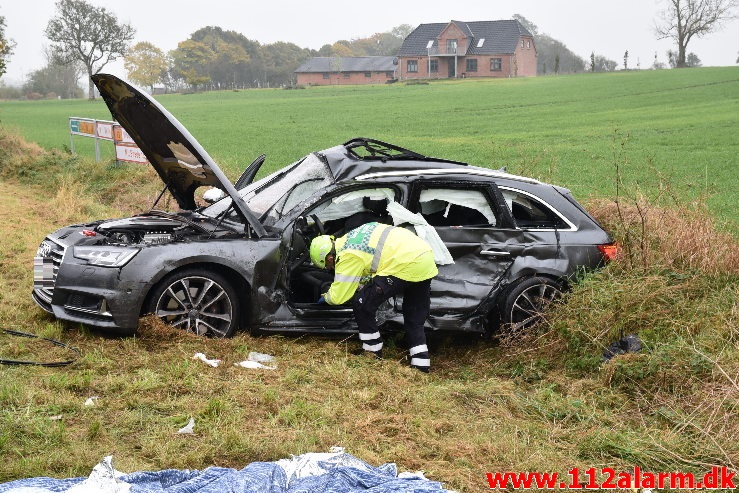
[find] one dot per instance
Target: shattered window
(456, 207)
(350, 203)
(279, 192)
(530, 213)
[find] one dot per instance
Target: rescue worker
(390, 261)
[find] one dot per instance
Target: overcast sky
(608, 28)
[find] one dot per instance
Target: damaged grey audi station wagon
(506, 245)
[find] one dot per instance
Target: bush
(9, 92)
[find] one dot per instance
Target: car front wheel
(197, 301)
(526, 301)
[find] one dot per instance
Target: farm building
(321, 71)
(456, 49)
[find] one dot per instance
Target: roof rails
(371, 149)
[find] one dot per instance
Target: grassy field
(673, 132)
(543, 401)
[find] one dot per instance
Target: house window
(496, 64)
(528, 44)
(368, 74)
(434, 66)
(412, 65)
(326, 75)
(346, 75)
(472, 65)
(451, 46)
(522, 43)
(389, 75)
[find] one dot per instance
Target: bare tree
(90, 34)
(681, 20)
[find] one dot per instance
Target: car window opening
(531, 213)
(456, 207)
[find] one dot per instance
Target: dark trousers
(416, 307)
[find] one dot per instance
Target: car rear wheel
(527, 300)
(197, 301)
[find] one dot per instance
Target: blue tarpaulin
(329, 473)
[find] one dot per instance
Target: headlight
(106, 256)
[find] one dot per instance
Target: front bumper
(74, 291)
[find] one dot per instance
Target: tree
(145, 64)
(238, 61)
(626, 60)
(56, 79)
(89, 34)
(603, 64)
(191, 60)
(6, 47)
(692, 60)
(551, 52)
(280, 61)
(681, 20)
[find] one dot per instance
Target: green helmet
(320, 247)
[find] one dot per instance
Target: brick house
(467, 49)
(322, 71)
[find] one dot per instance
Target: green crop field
(676, 129)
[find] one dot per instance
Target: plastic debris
(56, 417)
(254, 365)
(212, 362)
(102, 479)
(256, 361)
(91, 401)
(260, 357)
(188, 428)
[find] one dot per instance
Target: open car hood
(178, 158)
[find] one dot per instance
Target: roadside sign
(129, 153)
(126, 149)
(82, 126)
(104, 130)
(120, 135)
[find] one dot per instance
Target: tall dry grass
(683, 238)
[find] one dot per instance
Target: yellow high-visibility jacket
(376, 249)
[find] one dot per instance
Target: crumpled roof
(348, 64)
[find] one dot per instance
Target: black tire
(526, 300)
(198, 301)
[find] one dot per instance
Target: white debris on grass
(103, 479)
(212, 362)
(188, 428)
(91, 401)
(256, 361)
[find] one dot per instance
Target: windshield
(276, 194)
